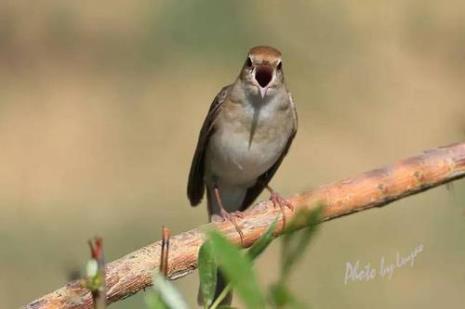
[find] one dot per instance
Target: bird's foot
(231, 217)
(238, 214)
(281, 202)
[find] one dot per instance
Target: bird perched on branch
(244, 138)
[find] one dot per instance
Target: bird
(245, 136)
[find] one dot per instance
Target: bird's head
(262, 72)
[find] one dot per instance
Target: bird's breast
(246, 144)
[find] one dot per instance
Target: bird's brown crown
(265, 54)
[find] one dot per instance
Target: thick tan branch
(378, 187)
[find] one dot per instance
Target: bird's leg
(280, 201)
(226, 215)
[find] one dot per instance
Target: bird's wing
(196, 186)
(262, 181)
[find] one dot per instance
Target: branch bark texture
(133, 272)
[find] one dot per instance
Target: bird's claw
(281, 202)
(231, 217)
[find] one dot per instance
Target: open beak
(263, 77)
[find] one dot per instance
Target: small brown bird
(246, 135)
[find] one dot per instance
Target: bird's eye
(249, 62)
(280, 66)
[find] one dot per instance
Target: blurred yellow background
(101, 104)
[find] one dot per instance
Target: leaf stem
(220, 297)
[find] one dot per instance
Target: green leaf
(169, 295)
(237, 268)
(207, 273)
(154, 301)
(263, 242)
(295, 243)
(281, 297)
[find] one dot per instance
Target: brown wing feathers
(196, 185)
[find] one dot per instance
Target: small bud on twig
(95, 274)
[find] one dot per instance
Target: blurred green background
(101, 103)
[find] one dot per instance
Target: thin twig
(165, 247)
(375, 188)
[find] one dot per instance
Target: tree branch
(133, 272)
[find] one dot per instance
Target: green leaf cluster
(219, 254)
